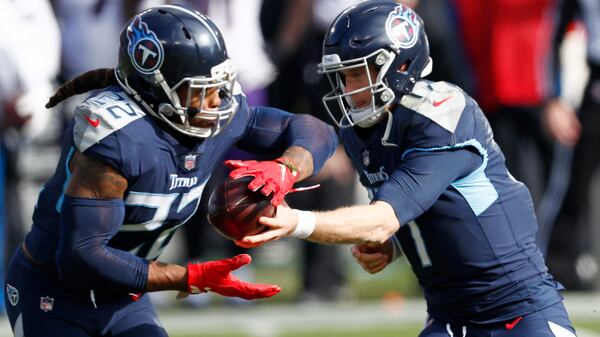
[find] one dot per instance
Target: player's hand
(283, 224)
(216, 276)
(373, 257)
(562, 123)
(274, 176)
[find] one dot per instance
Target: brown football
(234, 209)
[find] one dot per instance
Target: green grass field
(404, 331)
(397, 278)
(281, 316)
(397, 283)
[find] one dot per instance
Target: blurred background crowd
(533, 66)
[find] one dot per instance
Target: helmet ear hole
(404, 67)
(167, 109)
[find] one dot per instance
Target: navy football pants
(39, 305)
(550, 322)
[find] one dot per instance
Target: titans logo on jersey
(467, 227)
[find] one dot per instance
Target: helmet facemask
(339, 103)
(208, 121)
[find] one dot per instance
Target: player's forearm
(358, 224)
(165, 276)
(316, 139)
(84, 260)
(299, 159)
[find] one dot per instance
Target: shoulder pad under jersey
(101, 114)
(441, 102)
(237, 89)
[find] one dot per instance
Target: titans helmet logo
(144, 48)
(402, 27)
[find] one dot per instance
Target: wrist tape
(306, 224)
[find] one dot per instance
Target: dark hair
(88, 81)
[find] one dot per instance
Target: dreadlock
(91, 80)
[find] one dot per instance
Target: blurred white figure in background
(324, 11)
(239, 23)
(31, 40)
(90, 31)
(90, 34)
(29, 63)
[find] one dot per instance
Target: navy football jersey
(166, 171)
(467, 226)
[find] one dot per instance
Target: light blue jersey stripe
(67, 179)
(476, 188)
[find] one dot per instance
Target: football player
(440, 191)
(135, 160)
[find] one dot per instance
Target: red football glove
(274, 176)
(216, 276)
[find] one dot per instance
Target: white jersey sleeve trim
(441, 102)
(559, 331)
(101, 115)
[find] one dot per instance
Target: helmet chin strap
(124, 84)
(371, 121)
(364, 122)
(167, 109)
(388, 130)
(388, 127)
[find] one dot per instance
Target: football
(234, 209)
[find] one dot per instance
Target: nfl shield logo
(46, 303)
(189, 162)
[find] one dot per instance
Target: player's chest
(373, 161)
(375, 164)
(164, 199)
(168, 194)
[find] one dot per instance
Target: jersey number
(162, 203)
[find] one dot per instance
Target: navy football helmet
(169, 48)
(384, 35)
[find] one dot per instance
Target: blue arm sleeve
(83, 258)
(422, 178)
(273, 130)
